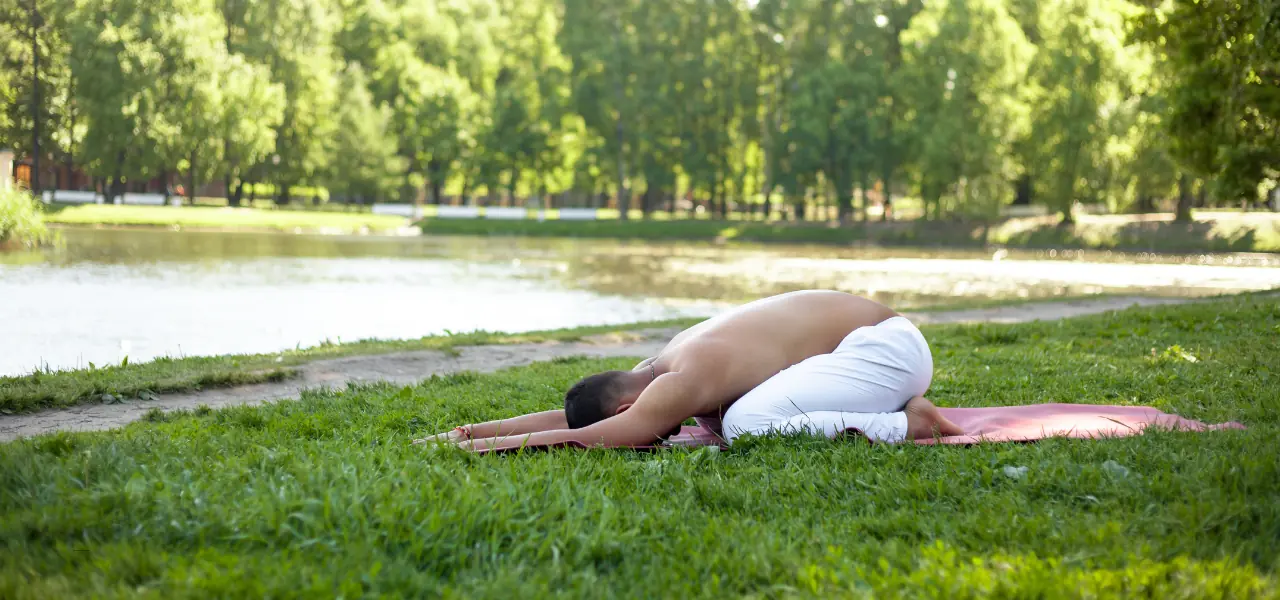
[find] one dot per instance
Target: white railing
(71, 197)
(400, 210)
(577, 214)
(142, 199)
(506, 213)
(457, 212)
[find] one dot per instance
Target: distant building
(6, 168)
(63, 176)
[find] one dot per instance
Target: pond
(143, 293)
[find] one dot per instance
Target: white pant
(862, 385)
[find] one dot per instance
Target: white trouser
(862, 385)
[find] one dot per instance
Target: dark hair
(593, 399)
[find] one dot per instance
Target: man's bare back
(736, 351)
(701, 372)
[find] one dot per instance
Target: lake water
(108, 293)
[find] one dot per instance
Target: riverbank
(132, 382)
(285, 374)
(326, 493)
(1211, 232)
(242, 219)
(365, 363)
(22, 222)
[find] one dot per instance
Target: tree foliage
(728, 104)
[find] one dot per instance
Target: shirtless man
(817, 361)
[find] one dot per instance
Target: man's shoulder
(707, 352)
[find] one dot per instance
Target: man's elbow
(618, 438)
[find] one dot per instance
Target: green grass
(324, 497)
(1217, 232)
(21, 219)
(110, 383)
(228, 218)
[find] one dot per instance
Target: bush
(21, 219)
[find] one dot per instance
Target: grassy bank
(201, 217)
(110, 383)
(142, 380)
(325, 497)
(1212, 232)
(21, 219)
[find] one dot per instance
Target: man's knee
(740, 419)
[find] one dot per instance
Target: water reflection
(199, 293)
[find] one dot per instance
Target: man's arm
(659, 409)
(530, 423)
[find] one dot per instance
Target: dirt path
(411, 367)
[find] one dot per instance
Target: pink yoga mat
(1015, 424)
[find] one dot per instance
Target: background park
(249, 249)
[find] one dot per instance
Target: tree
(602, 42)
(962, 80)
(142, 72)
(1223, 92)
(895, 18)
(1073, 93)
(365, 165)
(38, 99)
(294, 41)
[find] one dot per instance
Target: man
(815, 361)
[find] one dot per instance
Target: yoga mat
(1002, 424)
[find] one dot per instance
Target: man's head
(600, 396)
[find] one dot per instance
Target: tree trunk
(866, 202)
(233, 197)
(115, 179)
(282, 195)
(619, 97)
(768, 206)
(408, 194)
(889, 164)
(1022, 191)
(511, 187)
(191, 180)
(929, 202)
(35, 99)
(886, 202)
(436, 185)
(1183, 214)
(717, 209)
(1068, 217)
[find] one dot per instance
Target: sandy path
(411, 367)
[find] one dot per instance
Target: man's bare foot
(924, 421)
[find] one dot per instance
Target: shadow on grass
(1158, 236)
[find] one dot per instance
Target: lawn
(324, 497)
(1212, 232)
(224, 218)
